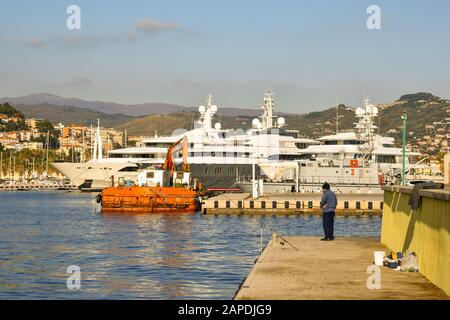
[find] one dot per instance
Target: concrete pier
(329, 270)
(292, 203)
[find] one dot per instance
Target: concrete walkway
(329, 270)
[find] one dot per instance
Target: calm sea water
(159, 256)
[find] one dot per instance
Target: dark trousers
(328, 224)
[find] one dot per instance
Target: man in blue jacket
(328, 205)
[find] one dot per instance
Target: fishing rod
(266, 226)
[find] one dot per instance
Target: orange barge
(158, 190)
(148, 199)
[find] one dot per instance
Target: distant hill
(313, 124)
(100, 106)
(320, 123)
(423, 109)
(8, 112)
(165, 124)
(141, 109)
(71, 115)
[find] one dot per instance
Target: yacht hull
(97, 176)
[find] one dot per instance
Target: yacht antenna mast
(207, 113)
(267, 117)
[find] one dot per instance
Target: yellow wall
(425, 231)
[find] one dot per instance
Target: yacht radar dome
(201, 109)
(375, 110)
(218, 126)
(281, 121)
(255, 123)
(360, 111)
(213, 108)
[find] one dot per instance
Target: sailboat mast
(10, 164)
(99, 142)
(46, 154)
(82, 147)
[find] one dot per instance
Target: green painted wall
(425, 231)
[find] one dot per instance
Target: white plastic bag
(410, 263)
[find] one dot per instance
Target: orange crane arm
(168, 163)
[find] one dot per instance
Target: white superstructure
(217, 157)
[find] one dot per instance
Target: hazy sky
(308, 52)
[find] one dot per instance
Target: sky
(310, 53)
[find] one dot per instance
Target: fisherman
(328, 205)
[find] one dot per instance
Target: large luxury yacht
(357, 160)
(217, 157)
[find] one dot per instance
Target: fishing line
(266, 226)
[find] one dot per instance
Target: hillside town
(68, 140)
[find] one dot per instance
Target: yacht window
(383, 158)
(413, 160)
(352, 142)
(150, 175)
(130, 169)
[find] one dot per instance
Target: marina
(189, 220)
(242, 151)
(187, 216)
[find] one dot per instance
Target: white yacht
(359, 160)
(217, 157)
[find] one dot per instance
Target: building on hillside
(33, 145)
(26, 135)
(32, 122)
(74, 131)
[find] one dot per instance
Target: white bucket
(378, 256)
